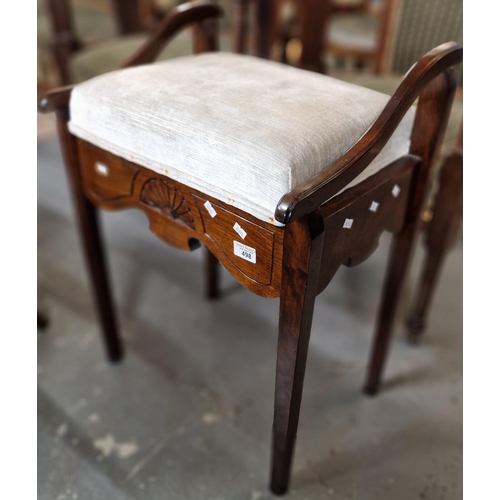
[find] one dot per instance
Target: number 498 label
(245, 252)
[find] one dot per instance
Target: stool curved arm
(55, 99)
(180, 17)
(317, 190)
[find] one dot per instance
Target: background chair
(83, 39)
(420, 25)
(360, 31)
(254, 24)
(346, 29)
(440, 233)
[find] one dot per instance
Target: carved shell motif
(162, 195)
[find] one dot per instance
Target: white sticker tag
(396, 190)
(348, 223)
(210, 209)
(245, 252)
(374, 206)
(102, 169)
(240, 231)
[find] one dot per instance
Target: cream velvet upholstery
(241, 129)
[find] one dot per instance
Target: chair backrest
(74, 23)
(422, 25)
(309, 19)
(408, 29)
(383, 12)
(129, 16)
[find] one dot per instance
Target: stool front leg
(88, 225)
(302, 248)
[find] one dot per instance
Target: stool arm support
(311, 194)
(180, 17)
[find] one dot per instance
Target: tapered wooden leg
(96, 263)
(399, 260)
(211, 275)
(302, 254)
(430, 123)
(88, 224)
(417, 320)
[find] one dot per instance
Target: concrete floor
(188, 414)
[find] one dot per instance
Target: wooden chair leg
(417, 320)
(96, 262)
(399, 260)
(302, 254)
(211, 275)
(88, 225)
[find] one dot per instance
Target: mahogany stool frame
(297, 261)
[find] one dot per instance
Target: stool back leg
(212, 290)
(430, 124)
(88, 225)
(302, 248)
(399, 259)
(416, 322)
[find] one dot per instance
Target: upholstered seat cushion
(241, 129)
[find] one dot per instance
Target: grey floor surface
(188, 414)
